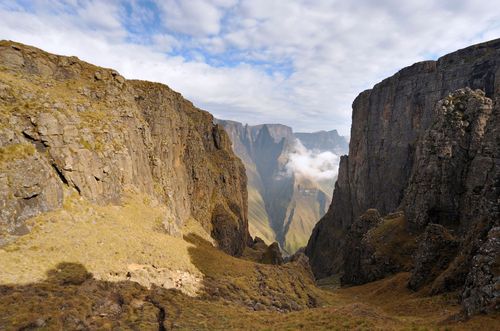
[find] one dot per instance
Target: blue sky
(299, 63)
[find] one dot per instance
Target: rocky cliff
(424, 141)
(283, 206)
(70, 126)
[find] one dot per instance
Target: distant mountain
(324, 141)
(290, 178)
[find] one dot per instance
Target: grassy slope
(109, 241)
(306, 214)
(106, 239)
(258, 220)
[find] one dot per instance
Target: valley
(123, 206)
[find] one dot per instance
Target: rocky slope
(283, 205)
(438, 162)
(69, 125)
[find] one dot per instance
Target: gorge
(124, 206)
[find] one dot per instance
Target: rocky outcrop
(376, 247)
(482, 290)
(425, 141)
(443, 188)
(359, 251)
(69, 125)
(282, 206)
(436, 250)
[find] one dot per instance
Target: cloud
(300, 63)
(195, 17)
(312, 164)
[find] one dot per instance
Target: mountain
(75, 134)
(284, 202)
(324, 141)
(419, 190)
(122, 206)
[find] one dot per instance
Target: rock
(358, 259)
(301, 260)
(436, 250)
(283, 207)
(155, 144)
(272, 255)
(425, 141)
(482, 288)
(120, 79)
(437, 187)
(387, 123)
(29, 186)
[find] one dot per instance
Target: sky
(299, 63)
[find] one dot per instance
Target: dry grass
(391, 238)
(13, 152)
(107, 240)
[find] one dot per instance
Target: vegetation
(16, 151)
(392, 239)
(71, 272)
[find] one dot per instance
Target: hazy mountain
(290, 178)
(324, 141)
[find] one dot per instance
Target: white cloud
(312, 164)
(194, 17)
(331, 50)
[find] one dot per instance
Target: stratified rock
(425, 141)
(438, 190)
(376, 247)
(300, 259)
(436, 250)
(91, 131)
(387, 123)
(482, 288)
(358, 251)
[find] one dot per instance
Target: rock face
(426, 141)
(359, 251)
(323, 141)
(283, 207)
(435, 251)
(450, 171)
(68, 125)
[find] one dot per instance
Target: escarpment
(425, 142)
(284, 205)
(70, 126)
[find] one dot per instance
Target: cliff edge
(424, 142)
(69, 126)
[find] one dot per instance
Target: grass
(13, 152)
(63, 276)
(391, 238)
(98, 237)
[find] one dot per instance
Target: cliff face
(68, 125)
(282, 206)
(436, 161)
(324, 141)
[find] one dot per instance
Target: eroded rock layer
(67, 124)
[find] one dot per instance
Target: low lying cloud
(312, 164)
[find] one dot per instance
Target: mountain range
(290, 178)
(124, 206)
